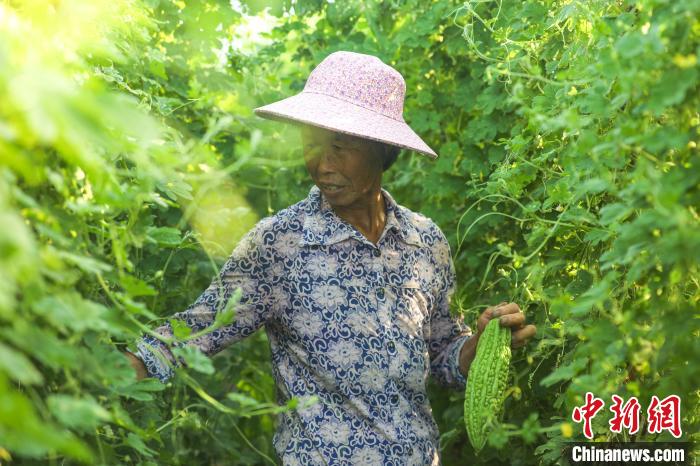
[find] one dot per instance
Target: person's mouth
(330, 188)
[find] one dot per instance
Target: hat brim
(334, 114)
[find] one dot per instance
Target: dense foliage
(568, 182)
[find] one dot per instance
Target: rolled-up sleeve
(246, 268)
(448, 332)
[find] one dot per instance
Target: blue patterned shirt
(358, 325)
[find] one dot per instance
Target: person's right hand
(511, 316)
(137, 364)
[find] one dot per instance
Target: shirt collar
(323, 227)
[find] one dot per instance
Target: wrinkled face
(346, 168)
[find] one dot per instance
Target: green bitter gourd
(486, 382)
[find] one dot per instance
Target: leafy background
(131, 163)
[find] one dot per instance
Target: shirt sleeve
(447, 333)
(246, 268)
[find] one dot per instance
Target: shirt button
(391, 346)
(380, 293)
(410, 451)
(394, 398)
(376, 253)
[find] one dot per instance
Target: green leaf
(78, 413)
(180, 329)
(594, 296)
(566, 372)
(85, 263)
(136, 287)
(175, 189)
(26, 434)
(498, 437)
(72, 311)
(195, 359)
(671, 89)
(614, 213)
(141, 390)
(42, 344)
(135, 442)
(630, 45)
(598, 235)
(592, 186)
(531, 428)
(226, 316)
(18, 367)
(581, 282)
(165, 236)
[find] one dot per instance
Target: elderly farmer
(352, 288)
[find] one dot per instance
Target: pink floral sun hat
(355, 94)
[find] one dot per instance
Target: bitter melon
(486, 382)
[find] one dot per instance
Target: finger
(520, 337)
(513, 320)
(495, 311)
(509, 308)
(491, 312)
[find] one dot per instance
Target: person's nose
(326, 161)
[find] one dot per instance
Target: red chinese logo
(587, 412)
(626, 415)
(661, 415)
(665, 415)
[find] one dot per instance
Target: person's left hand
(509, 315)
